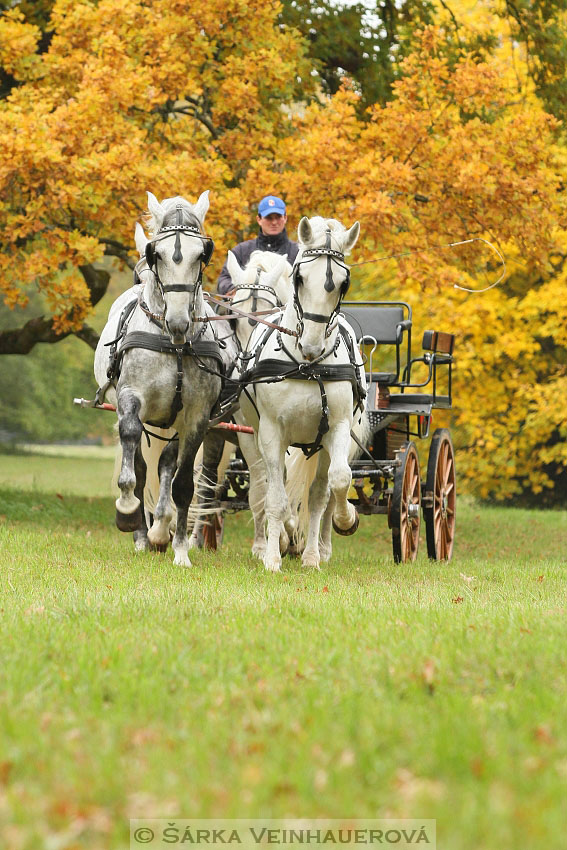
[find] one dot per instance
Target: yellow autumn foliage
(178, 97)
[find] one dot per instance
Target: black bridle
(255, 288)
(178, 228)
(333, 256)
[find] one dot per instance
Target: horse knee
(340, 479)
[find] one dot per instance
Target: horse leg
(213, 447)
(140, 468)
(337, 443)
(128, 511)
(318, 498)
(325, 542)
(256, 492)
(273, 454)
(182, 490)
(158, 535)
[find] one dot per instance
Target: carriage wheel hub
(413, 510)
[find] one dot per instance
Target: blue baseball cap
(271, 204)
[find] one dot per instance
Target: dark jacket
(280, 244)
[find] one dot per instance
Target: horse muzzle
(177, 331)
(311, 352)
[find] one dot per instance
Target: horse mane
(264, 260)
(170, 216)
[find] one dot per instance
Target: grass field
(132, 688)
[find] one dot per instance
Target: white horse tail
(362, 430)
(300, 473)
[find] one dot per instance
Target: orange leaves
(18, 41)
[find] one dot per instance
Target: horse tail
(300, 472)
(197, 511)
(362, 430)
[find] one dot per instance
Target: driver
(273, 236)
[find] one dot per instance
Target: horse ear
(304, 231)
(351, 236)
(234, 269)
(155, 209)
(201, 207)
(280, 268)
(140, 239)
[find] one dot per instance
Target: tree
(104, 100)
(449, 158)
(362, 40)
(178, 97)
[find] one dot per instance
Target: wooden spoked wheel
(213, 531)
(405, 505)
(440, 498)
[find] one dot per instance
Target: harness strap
(240, 314)
(278, 370)
(114, 356)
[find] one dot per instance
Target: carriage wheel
(404, 513)
(213, 531)
(440, 497)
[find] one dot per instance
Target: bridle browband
(333, 256)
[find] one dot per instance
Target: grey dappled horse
(167, 368)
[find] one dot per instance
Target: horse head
(176, 253)
(265, 283)
(320, 279)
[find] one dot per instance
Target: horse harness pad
(196, 348)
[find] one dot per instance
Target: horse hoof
(158, 547)
(129, 522)
(347, 531)
(312, 561)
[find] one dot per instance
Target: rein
(238, 314)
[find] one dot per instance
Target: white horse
(166, 366)
(264, 285)
(322, 398)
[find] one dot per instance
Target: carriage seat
(379, 326)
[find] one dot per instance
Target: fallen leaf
(5, 770)
(428, 674)
(543, 734)
(458, 599)
(477, 767)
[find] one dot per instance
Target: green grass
(132, 688)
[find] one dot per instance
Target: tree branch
(117, 249)
(22, 340)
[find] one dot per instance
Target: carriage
(386, 477)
